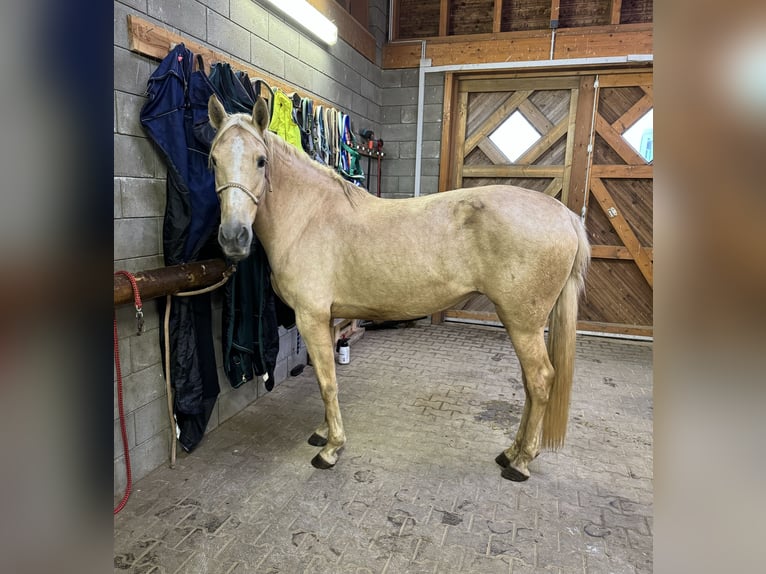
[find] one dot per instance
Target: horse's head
(239, 156)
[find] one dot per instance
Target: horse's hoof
(317, 440)
(502, 460)
(514, 474)
(320, 463)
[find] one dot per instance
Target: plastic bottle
(343, 350)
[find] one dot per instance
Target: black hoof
(511, 473)
(320, 463)
(502, 460)
(317, 440)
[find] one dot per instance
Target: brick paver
(426, 409)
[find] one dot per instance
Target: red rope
(139, 316)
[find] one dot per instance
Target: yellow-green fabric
(282, 122)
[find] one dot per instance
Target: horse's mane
(274, 141)
(349, 190)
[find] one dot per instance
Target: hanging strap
(257, 85)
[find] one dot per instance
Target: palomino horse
(337, 251)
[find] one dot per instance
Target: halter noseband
(250, 194)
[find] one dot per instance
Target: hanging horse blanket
(250, 313)
(175, 111)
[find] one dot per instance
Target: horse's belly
(396, 304)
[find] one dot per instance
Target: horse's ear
(261, 114)
(216, 112)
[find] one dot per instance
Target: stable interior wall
(384, 102)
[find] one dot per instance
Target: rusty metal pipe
(154, 283)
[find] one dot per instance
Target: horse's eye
(212, 160)
(261, 161)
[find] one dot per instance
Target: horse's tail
(561, 343)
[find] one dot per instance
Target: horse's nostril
(244, 235)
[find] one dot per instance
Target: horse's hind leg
(538, 377)
(317, 334)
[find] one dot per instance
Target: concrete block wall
(399, 90)
(384, 101)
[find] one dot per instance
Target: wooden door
(579, 158)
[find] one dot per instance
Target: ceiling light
(309, 17)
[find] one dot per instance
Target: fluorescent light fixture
(309, 17)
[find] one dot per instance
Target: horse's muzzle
(235, 240)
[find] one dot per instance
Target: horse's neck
(300, 191)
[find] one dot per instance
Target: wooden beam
(597, 41)
(625, 80)
(513, 171)
(553, 187)
(550, 138)
(617, 142)
(623, 171)
(621, 226)
(616, 9)
(169, 280)
(555, 8)
(443, 17)
(507, 84)
(497, 16)
(448, 128)
(616, 252)
(493, 152)
(535, 117)
(634, 114)
(586, 94)
(459, 143)
(616, 328)
(569, 151)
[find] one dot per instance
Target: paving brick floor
(427, 409)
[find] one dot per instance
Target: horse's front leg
(317, 334)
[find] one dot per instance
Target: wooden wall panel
(418, 18)
(616, 292)
(634, 199)
(636, 11)
(470, 17)
(580, 13)
(525, 15)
